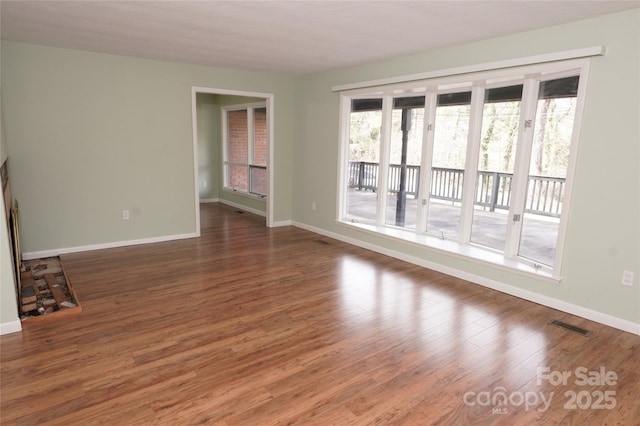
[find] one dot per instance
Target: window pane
(500, 118)
(258, 180)
(238, 177)
(238, 136)
(548, 168)
(404, 165)
(364, 156)
(260, 137)
(449, 154)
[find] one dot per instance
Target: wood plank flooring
(255, 326)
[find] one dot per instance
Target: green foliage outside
(550, 152)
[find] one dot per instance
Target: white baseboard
(282, 223)
(241, 207)
(209, 200)
(10, 327)
(550, 302)
(115, 244)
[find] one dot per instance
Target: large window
(483, 162)
(245, 149)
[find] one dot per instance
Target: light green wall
(209, 154)
(227, 100)
(92, 134)
(604, 221)
(4, 150)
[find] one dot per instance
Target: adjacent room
(256, 213)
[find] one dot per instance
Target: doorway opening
(211, 151)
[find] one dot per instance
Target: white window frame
(529, 76)
(224, 111)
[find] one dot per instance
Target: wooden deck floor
(489, 229)
(255, 326)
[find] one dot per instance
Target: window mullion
(225, 147)
(383, 167)
(431, 100)
(250, 135)
(521, 169)
(471, 165)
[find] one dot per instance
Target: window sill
(467, 252)
(245, 194)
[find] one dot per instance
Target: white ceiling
(292, 37)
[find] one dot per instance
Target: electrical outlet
(627, 278)
(313, 205)
(125, 214)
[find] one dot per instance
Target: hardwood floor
(255, 326)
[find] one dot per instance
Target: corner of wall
(9, 320)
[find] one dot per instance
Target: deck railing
(544, 194)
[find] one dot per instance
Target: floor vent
(571, 327)
(321, 242)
